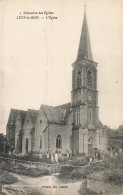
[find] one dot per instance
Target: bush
(33, 172)
(69, 172)
(63, 159)
(99, 166)
(114, 173)
(80, 161)
(65, 171)
(79, 175)
(113, 176)
(86, 192)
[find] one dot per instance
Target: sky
(36, 54)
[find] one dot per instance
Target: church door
(89, 148)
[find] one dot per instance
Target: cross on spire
(85, 6)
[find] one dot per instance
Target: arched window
(79, 78)
(26, 144)
(40, 122)
(58, 141)
(90, 116)
(89, 78)
(77, 117)
(17, 144)
(90, 140)
(32, 142)
(40, 142)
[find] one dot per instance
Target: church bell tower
(84, 96)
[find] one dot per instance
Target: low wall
(53, 168)
(81, 169)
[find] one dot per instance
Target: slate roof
(57, 114)
(22, 115)
(13, 116)
(84, 50)
(100, 125)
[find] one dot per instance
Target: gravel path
(46, 185)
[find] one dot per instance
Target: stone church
(74, 126)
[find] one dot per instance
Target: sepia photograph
(61, 97)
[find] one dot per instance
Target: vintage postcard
(61, 97)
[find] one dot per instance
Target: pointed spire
(84, 50)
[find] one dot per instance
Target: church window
(58, 141)
(89, 78)
(99, 138)
(40, 122)
(103, 131)
(17, 144)
(90, 140)
(27, 121)
(77, 117)
(90, 116)
(40, 142)
(79, 78)
(26, 144)
(32, 143)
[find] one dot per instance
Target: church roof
(22, 115)
(84, 50)
(32, 114)
(57, 114)
(13, 116)
(100, 125)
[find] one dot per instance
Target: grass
(110, 174)
(28, 171)
(112, 169)
(86, 191)
(7, 178)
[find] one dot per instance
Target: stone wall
(76, 140)
(49, 131)
(41, 132)
(27, 128)
(83, 140)
(65, 132)
(53, 168)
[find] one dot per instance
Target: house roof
(57, 114)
